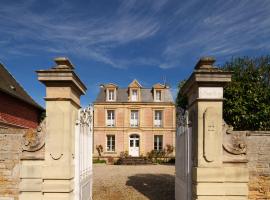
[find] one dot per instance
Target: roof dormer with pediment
(134, 91)
(135, 84)
(124, 95)
(158, 92)
(109, 85)
(111, 91)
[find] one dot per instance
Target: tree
(181, 100)
(247, 97)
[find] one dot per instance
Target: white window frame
(158, 119)
(133, 121)
(156, 96)
(111, 146)
(110, 119)
(158, 147)
(111, 96)
(134, 97)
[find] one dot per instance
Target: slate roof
(10, 86)
(146, 95)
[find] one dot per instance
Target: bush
(99, 149)
(124, 154)
(98, 161)
(110, 160)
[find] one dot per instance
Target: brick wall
(258, 152)
(10, 154)
(17, 112)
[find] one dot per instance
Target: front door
(134, 145)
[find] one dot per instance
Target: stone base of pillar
(224, 183)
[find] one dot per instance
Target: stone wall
(10, 154)
(258, 153)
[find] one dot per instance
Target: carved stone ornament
(210, 135)
(234, 142)
(34, 139)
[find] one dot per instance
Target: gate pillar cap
(62, 83)
(206, 74)
(63, 63)
(205, 63)
(61, 75)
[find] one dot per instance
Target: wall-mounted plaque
(210, 92)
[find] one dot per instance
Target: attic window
(12, 87)
(158, 95)
(134, 95)
(111, 95)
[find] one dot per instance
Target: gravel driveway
(123, 182)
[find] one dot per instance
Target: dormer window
(111, 95)
(158, 95)
(134, 89)
(134, 95)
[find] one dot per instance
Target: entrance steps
(134, 161)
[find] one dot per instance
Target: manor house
(133, 119)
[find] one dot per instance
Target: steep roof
(146, 95)
(10, 86)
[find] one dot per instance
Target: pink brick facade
(122, 130)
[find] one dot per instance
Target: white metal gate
(83, 154)
(183, 165)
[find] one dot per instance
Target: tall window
(110, 142)
(134, 118)
(158, 95)
(134, 95)
(158, 118)
(158, 142)
(110, 118)
(111, 96)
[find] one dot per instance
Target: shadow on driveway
(153, 186)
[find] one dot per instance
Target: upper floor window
(134, 118)
(110, 118)
(110, 143)
(158, 95)
(158, 118)
(111, 95)
(134, 95)
(158, 142)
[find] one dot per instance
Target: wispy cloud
(61, 30)
(220, 28)
(168, 31)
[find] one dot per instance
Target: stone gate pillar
(63, 91)
(212, 179)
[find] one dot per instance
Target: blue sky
(119, 40)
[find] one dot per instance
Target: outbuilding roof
(10, 86)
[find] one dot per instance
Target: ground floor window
(158, 142)
(110, 142)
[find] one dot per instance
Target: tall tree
(247, 97)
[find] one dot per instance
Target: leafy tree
(247, 97)
(181, 100)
